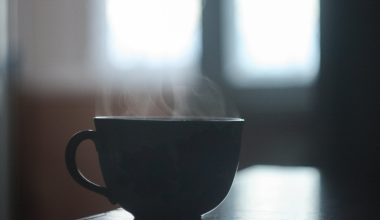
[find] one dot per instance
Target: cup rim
(171, 118)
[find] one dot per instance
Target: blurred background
(303, 73)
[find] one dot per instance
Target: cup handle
(71, 164)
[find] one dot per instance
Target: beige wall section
(56, 45)
(53, 98)
(43, 188)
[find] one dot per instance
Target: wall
(349, 100)
(43, 189)
(3, 110)
(53, 84)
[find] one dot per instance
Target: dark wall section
(349, 89)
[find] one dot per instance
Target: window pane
(272, 42)
(153, 35)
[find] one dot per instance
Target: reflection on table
(270, 192)
(288, 193)
(262, 192)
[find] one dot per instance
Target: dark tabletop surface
(289, 193)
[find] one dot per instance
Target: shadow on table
(350, 196)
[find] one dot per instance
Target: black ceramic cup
(162, 168)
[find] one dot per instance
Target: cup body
(168, 166)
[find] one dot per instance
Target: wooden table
(288, 193)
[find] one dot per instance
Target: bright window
(151, 35)
(272, 43)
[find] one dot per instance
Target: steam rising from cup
(193, 97)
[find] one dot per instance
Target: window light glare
(275, 41)
(149, 32)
